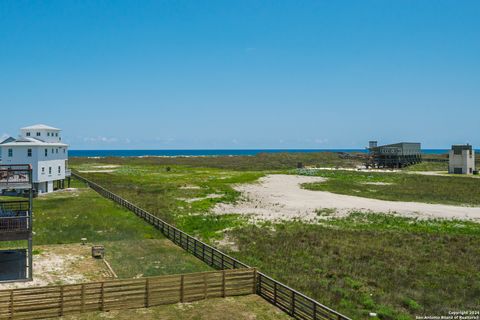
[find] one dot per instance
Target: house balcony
(15, 220)
(15, 176)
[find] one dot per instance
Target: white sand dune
(281, 197)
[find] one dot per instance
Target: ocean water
(211, 152)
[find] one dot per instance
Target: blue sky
(242, 74)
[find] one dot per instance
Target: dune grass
(428, 166)
(67, 217)
(396, 267)
(134, 249)
(165, 191)
(260, 162)
(385, 265)
(132, 246)
(150, 257)
(401, 187)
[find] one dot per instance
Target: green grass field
(132, 246)
(134, 249)
(396, 267)
(150, 257)
(167, 193)
(428, 166)
(260, 162)
(68, 217)
(454, 190)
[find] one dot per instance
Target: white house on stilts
(40, 146)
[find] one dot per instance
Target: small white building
(461, 159)
(41, 147)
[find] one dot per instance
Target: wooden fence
(55, 301)
(289, 300)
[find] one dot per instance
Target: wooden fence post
(254, 280)
(61, 301)
(223, 283)
(275, 293)
(205, 286)
(102, 297)
(147, 293)
(293, 303)
(260, 285)
(83, 298)
(11, 304)
(182, 281)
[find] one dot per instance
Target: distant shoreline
(213, 152)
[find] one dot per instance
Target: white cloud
(164, 140)
(321, 140)
(100, 139)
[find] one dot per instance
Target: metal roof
(40, 127)
(28, 141)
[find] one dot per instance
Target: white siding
(47, 135)
(38, 160)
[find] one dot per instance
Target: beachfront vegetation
(134, 249)
(396, 267)
(434, 162)
(130, 243)
(455, 190)
(372, 263)
(177, 194)
(428, 166)
(262, 161)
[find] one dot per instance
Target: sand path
(281, 197)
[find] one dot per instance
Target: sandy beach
(280, 197)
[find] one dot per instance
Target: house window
(28, 134)
(10, 152)
(38, 134)
(64, 150)
(43, 170)
(59, 169)
(56, 151)
(46, 152)
(48, 134)
(29, 152)
(49, 170)
(53, 151)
